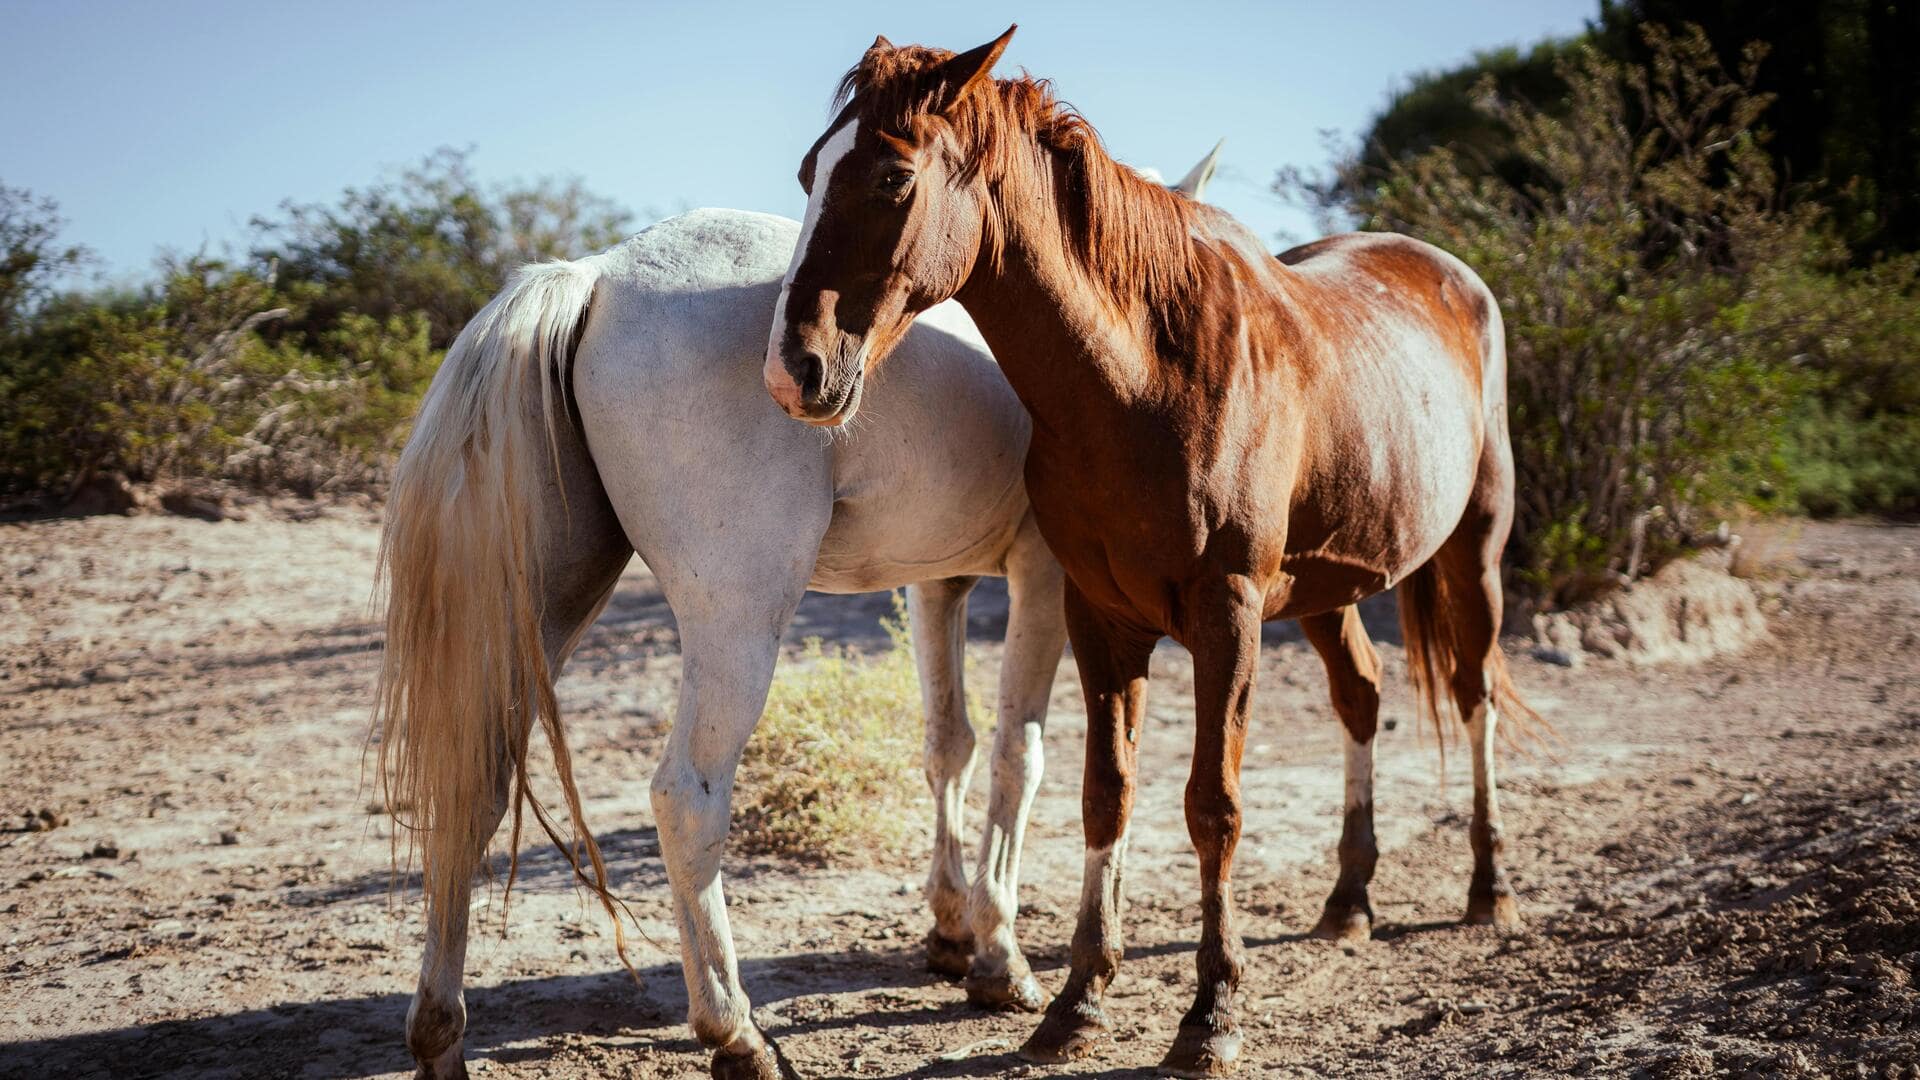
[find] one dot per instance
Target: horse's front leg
(939, 611)
(1224, 636)
(728, 659)
(1036, 633)
(1113, 676)
(1353, 676)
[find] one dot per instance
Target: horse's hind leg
(1036, 633)
(578, 576)
(939, 611)
(1353, 675)
(728, 645)
(1469, 564)
(1474, 583)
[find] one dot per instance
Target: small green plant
(834, 768)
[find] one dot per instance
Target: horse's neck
(1066, 344)
(1056, 336)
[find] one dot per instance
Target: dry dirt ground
(1719, 865)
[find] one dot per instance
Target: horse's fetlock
(718, 1029)
(434, 1026)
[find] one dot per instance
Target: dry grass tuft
(835, 767)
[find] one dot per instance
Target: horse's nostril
(811, 376)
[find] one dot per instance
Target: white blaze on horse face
(779, 383)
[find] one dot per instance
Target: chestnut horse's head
(896, 215)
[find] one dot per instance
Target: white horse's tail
(465, 672)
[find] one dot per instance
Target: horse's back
(1369, 277)
(692, 295)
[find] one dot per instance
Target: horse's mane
(1127, 233)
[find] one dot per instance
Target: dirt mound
(1692, 610)
(1814, 943)
(1766, 935)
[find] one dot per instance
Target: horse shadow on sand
(856, 619)
(531, 1020)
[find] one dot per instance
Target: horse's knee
(1019, 748)
(1357, 702)
(685, 798)
(950, 749)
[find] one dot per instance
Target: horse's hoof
(1501, 911)
(949, 956)
(1006, 993)
(433, 1037)
(1200, 1051)
(1067, 1036)
(757, 1063)
(1343, 924)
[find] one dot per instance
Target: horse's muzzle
(804, 389)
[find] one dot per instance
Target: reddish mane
(1125, 231)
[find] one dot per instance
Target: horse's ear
(871, 58)
(971, 68)
(1194, 183)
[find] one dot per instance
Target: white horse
(614, 405)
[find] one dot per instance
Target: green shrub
(430, 241)
(336, 418)
(181, 382)
(146, 386)
(299, 371)
(31, 257)
(1668, 313)
(1842, 460)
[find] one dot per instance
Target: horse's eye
(896, 181)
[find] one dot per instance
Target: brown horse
(1220, 437)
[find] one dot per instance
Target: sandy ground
(1720, 865)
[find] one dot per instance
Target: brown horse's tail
(1435, 651)
(465, 673)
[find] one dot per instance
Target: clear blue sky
(169, 124)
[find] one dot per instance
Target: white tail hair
(465, 673)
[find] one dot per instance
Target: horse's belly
(867, 550)
(1397, 486)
